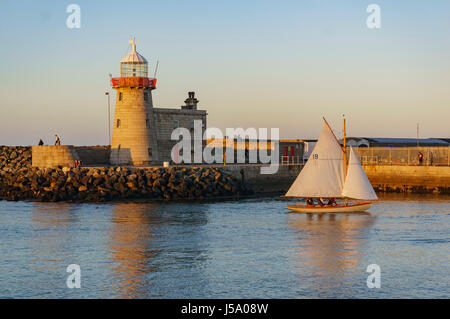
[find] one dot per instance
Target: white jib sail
(323, 174)
(357, 185)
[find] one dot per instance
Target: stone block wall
(251, 177)
(93, 155)
(164, 120)
(384, 178)
(53, 156)
(415, 179)
(66, 155)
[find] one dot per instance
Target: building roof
(133, 56)
(292, 141)
(394, 140)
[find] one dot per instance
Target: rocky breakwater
(20, 181)
(14, 157)
(117, 183)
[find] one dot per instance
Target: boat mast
(345, 151)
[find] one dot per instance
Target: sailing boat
(325, 176)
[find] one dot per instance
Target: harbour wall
(384, 178)
(52, 156)
(66, 155)
(251, 177)
(409, 179)
(20, 180)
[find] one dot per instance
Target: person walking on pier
(41, 142)
(57, 140)
(420, 158)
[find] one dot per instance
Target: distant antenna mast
(156, 69)
(109, 111)
(417, 134)
(345, 148)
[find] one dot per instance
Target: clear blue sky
(252, 63)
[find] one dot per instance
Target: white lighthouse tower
(134, 135)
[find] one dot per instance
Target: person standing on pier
(420, 158)
(57, 140)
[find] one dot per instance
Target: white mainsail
(323, 174)
(357, 185)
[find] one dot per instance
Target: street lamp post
(109, 118)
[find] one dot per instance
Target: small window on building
(192, 124)
(147, 123)
(176, 124)
(120, 96)
(118, 123)
(145, 96)
(150, 152)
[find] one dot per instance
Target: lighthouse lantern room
(134, 64)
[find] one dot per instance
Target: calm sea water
(243, 249)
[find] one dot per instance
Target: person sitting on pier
(41, 142)
(309, 202)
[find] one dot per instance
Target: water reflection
(330, 245)
(249, 248)
(151, 245)
(51, 243)
(130, 245)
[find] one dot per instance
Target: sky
(263, 64)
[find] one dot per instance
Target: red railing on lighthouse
(133, 82)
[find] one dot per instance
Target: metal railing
(291, 160)
(407, 156)
(133, 82)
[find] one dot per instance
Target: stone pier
(409, 179)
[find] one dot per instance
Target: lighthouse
(134, 140)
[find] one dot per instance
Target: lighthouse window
(120, 96)
(118, 123)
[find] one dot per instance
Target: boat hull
(359, 207)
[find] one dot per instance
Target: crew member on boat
(331, 202)
(320, 201)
